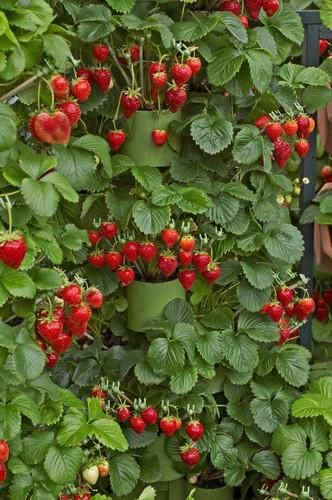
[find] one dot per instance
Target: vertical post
(310, 57)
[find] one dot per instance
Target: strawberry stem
(19, 88)
(141, 67)
(118, 65)
(51, 90)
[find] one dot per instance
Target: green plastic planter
(147, 301)
(223, 493)
(173, 490)
(139, 145)
(168, 473)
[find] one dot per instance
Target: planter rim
(151, 284)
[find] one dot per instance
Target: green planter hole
(147, 301)
(139, 145)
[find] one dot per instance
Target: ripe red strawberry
(322, 312)
(159, 137)
(84, 73)
(303, 308)
(169, 237)
(13, 248)
(273, 130)
(185, 258)
(323, 46)
(134, 53)
(60, 87)
(167, 265)
(290, 127)
(270, 7)
(275, 311)
(168, 426)
(195, 64)
(281, 152)
(262, 121)
(157, 67)
(49, 329)
(195, 429)
(71, 294)
(326, 172)
(101, 52)
(103, 468)
(303, 124)
(130, 250)
(245, 21)
(116, 138)
(187, 243)
(52, 359)
(159, 79)
(131, 102)
(125, 275)
(108, 230)
(52, 128)
(176, 97)
(181, 73)
(285, 295)
(94, 297)
(82, 496)
(96, 259)
(190, 455)
(253, 7)
(123, 413)
(231, 6)
(97, 392)
(137, 424)
(113, 260)
(3, 473)
(80, 314)
(201, 260)
(4, 451)
(62, 343)
(327, 296)
(81, 89)
(302, 147)
(289, 310)
(150, 415)
(187, 278)
(147, 251)
(212, 272)
(103, 79)
(94, 237)
(71, 110)
(57, 313)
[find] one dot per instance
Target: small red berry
(125, 275)
(168, 426)
(147, 251)
(94, 237)
(108, 230)
(150, 415)
(169, 237)
(123, 413)
(137, 424)
(159, 137)
(130, 250)
(96, 259)
(195, 430)
(81, 89)
(187, 278)
(101, 52)
(275, 311)
(116, 138)
(113, 260)
(94, 297)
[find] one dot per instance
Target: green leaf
(285, 435)
(47, 279)
(239, 350)
(239, 190)
(233, 25)
(27, 407)
(269, 414)
(150, 468)
(74, 428)
(122, 6)
(259, 275)
(289, 23)
(57, 48)
(51, 412)
(76, 165)
(62, 186)
(211, 133)
(247, 145)
(186, 335)
(179, 311)
(164, 195)
(141, 440)
(315, 98)
(72, 237)
(209, 346)
(36, 445)
(95, 23)
(266, 463)
(325, 475)
(7, 127)
(15, 65)
(62, 464)
(293, 365)
(145, 374)
(226, 65)
(325, 12)
(222, 451)
(40, 196)
(182, 382)
(265, 39)
(221, 318)
(149, 177)
(18, 283)
(109, 433)
(299, 463)
(150, 219)
(225, 209)
(166, 355)
(98, 146)
(312, 76)
(193, 200)
(124, 474)
(7, 338)
(184, 170)
(258, 327)
(10, 419)
(284, 242)
(189, 31)
(251, 298)
(260, 64)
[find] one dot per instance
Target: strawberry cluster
(253, 8)
(57, 325)
(322, 305)
(172, 254)
(288, 309)
(171, 94)
(82, 495)
(4, 455)
(282, 132)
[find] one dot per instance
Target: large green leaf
(184, 380)
(27, 406)
(186, 335)
(259, 274)
(299, 463)
(150, 468)
(269, 414)
(62, 464)
(95, 23)
(292, 364)
(36, 445)
(122, 6)
(247, 145)
(62, 186)
(266, 463)
(285, 435)
(226, 65)
(149, 177)
(188, 31)
(74, 428)
(222, 451)
(109, 433)
(58, 49)
(145, 374)
(212, 133)
(76, 165)
(10, 419)
(284, 242)
(193, 200)
(325, 475)
(209, 346)
(124, 474)
(258, 327)
(288, 22)
(150, 219)
(166, 355)
(18, 283)
(260, 64)
(315, 98)
(225, 209)
(251, 298)
(325, 11)
(233, 25)
(239, 350)
(40, 196)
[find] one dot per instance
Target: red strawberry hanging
(96, 259)
(281, 152)
(176, 97)
(150, 415)
(167, 265)
(195, 64)
(52, 128)
(103, 79)
(137, 424)
(231, 6)
(187, 243)
(181, 73)
(275, 311)
(147, 251)
(109, 230)
(195, 429)
(116, 138)
(262, 121)
(159, 79)
(72, 110)
(169, 237)
(201, 260)
(62, 343)
(13, 248)
(190, 455)
(94, 237)
(71, 294)
(168, 426)
(94, 298)
(131, 102)
(126, 275)
(123, 413)
(49, 329)
(273, 130)
(157, 67)
(60, 87)
(81, 89)
(101, 52)
(187, 278)
(159, 137)
(290, 127)
(185, 258)
(130, 250)
(212, 272)
(270, 7)
(113, 260)
(302, 147)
